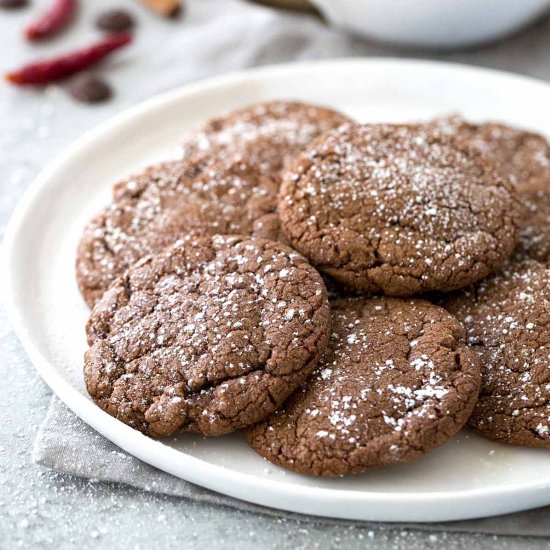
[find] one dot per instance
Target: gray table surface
(41, 509)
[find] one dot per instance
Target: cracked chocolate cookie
(395, 382)
(209, 336)
(398, 209)
(268, 135)
(522, 156)
(154, 208)
(507, 318)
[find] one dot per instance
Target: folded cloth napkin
(219, 36)
(66, 444)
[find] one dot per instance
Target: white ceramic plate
(469, 477)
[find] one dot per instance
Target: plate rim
(247, 487)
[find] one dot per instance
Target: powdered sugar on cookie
(401, 209)
(374, 398)
(205, 336)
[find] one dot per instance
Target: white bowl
(432, 23)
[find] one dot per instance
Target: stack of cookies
(349, 295)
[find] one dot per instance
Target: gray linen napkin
(66, 444)
(219, 36)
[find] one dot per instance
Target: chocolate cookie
(522, 156)
(268, 135)
(507, 318)
(208, 336)
(395, 382)
(398, 209)
(152, 209)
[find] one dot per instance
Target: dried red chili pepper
(59, 15)
(44, 72)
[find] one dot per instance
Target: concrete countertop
(40, 509)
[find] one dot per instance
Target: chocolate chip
(115, 21)
(89, 89)
(13, 4)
